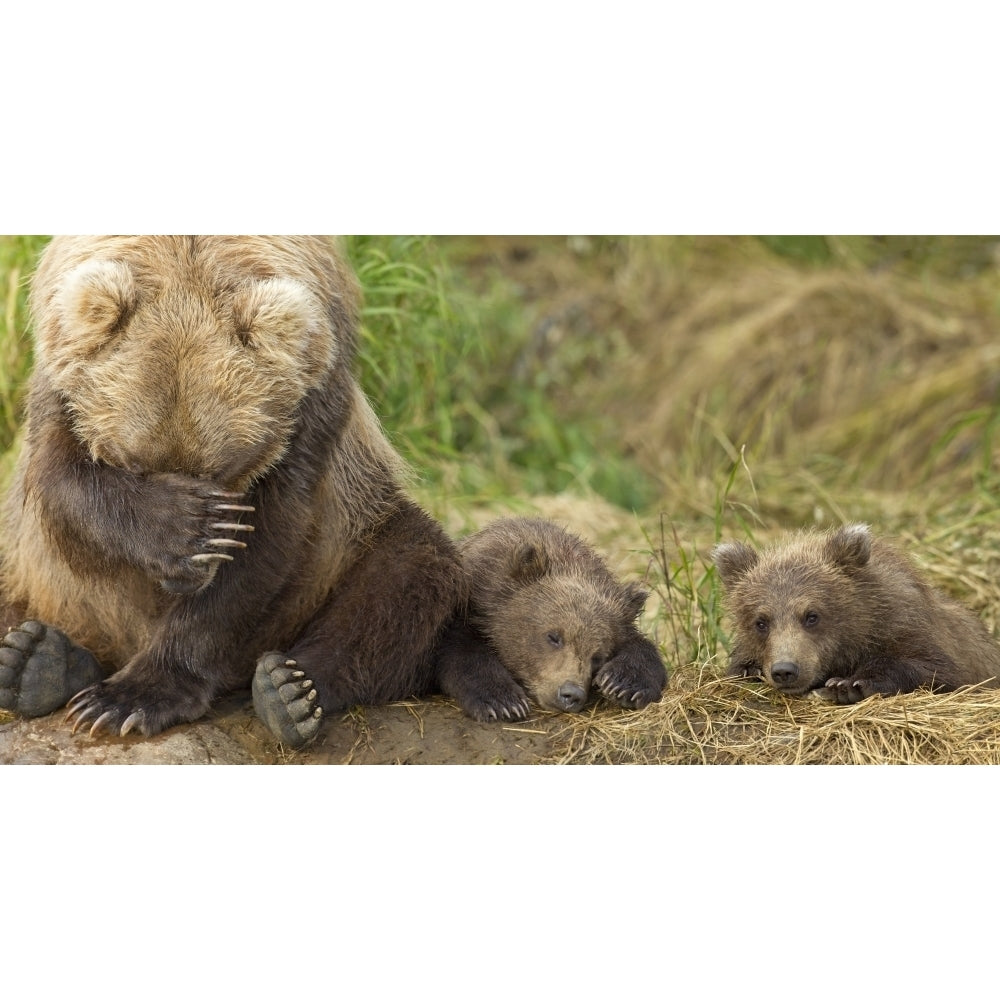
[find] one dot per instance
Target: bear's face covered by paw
(550, 608)
(179, 355)
(802, 611)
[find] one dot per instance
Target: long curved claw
(85, 713)
(204, 557)
(100, 723)
(226, 543)
(232, 526)
(134, 721)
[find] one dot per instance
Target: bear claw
(843, 691)
(41, 669)
(621, 682)
(285, 700)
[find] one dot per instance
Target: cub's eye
(555, 640)
(762, 625)
(811, 619)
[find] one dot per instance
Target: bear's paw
(40, 669)
(285, 700)
(633, 679)
(845, 690)
(140, 698)
(191, 527)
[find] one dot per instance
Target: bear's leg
(41, 669)
(373, 641)
(887, 677)
(635, 676)
(469, 671)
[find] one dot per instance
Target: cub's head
(555, 622)
(798, 609)
(190, 354)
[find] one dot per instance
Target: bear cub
(846, 615)
(546, 619)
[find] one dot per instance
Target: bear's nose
(571, 697)
(784, 673)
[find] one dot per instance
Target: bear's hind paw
(285, 700)
(40, 669)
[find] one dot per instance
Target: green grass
(17, 260)
(455, 374)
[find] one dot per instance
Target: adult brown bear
(202, 483)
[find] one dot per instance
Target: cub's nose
(784, 673)
(571, 697)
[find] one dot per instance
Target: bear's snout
(571, 697)
(784, 673)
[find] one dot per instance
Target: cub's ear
(529, 563)
(734, 560)
(94, 298)
(635, 598)
(849, 547)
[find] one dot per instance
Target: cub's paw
(40, 669)
(129, 703)
(199, 527)
(499, 701)
(285, 700)
(632, 681)
(845, 690)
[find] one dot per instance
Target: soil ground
(430, 731)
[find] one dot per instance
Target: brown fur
(552, 617)
(849, 615)
(170, 370)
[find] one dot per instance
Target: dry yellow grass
(706, 720)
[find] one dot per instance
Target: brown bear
(847, 615)
(202, 483)
(546, 619)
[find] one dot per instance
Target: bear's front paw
(198, 527)
(40, 669)
(123, 704)
(503, 700)
(285, 700)
(749, 671)
(631, 680)
(845, 690)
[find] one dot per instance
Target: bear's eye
(811, 618)
(555, 640)
(762, 625)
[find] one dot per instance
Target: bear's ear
(849, 547)
(94, 298)
(529, 563)
(282, 319)
(734, 560)
(635, 599)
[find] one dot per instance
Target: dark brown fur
(847, 615)
(177, 380)
(546, 618)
